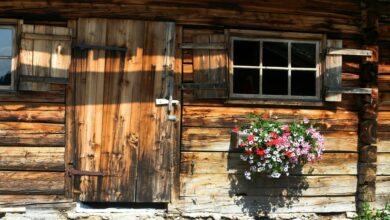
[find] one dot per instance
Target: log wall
(211, 172)
(32, 147)
(383, 143)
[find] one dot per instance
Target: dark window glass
(246, 81)
(303, 83)
(303, 55)
(275, 54)
(6, 35)
(246, 53)
(5, 72)
(275, 82)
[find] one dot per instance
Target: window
(275, 68)
(7, 53)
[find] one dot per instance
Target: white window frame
(317, 41)
(13, 58)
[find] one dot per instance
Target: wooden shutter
(210, 66)
(45, 56)
(333, 71)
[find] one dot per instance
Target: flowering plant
(274, 148)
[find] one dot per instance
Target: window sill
(314, 103)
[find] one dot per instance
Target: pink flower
(236, 130)
(305, 120)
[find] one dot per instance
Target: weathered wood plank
(156, 134)
(253, 204)
(222, 163)
(382, 185)
(32, 158)
(383, 142)
(25, 200)
(18, 182)
(33, 116)
(14, 128)
(92, 31)
(383, 164)
(32, 139)
(225, 185)
(218, 139)
(333, 72)
(235, 116)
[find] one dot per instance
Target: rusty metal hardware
(74, 172)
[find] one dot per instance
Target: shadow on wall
(263, 194)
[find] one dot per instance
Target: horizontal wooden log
(48, 37)
(20, 182)
(218, 139)
(255, 204)
(32, 158)
(33, 116)
(207, 46)
(14, 128)
(16, 106)
(383, 185)
(251, 15)
(31, 97)
(383, 142)
(26, 200)
(225, 185)
(30, 139)
(234, 116)
(383, 164)
(222, 163)
(381, 201)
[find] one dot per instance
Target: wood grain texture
(383, 164)
(230, 117)
(28, 200)
(218, 139)
(325, 16)
(90, 109)
(155, 152)
(225, 185)
(12, 182)
(222, 163)
(254, 204)
(32, 158)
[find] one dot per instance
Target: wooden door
(123, 141)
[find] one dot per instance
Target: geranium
(274, 148)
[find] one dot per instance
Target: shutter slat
(333, 72)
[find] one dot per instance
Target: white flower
(250, 142)
(267, 155)
(256, 138)
(270, 166)
(253, 168)
(247, 175)
(287, 174)
(259, 170)
(279, 160)
(275, 175)
(250, 161)
(255, 130)
(273, 158)
(285, 169)
(251, 156)
(244, 157)
(245, 131)
(258, 163)
(275, 152)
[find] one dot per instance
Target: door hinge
(74, 172)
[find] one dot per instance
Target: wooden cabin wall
(211, 174)
(32, 146)
(383, 144)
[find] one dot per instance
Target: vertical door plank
(155, 152)
(129, 110)
(93, 32)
